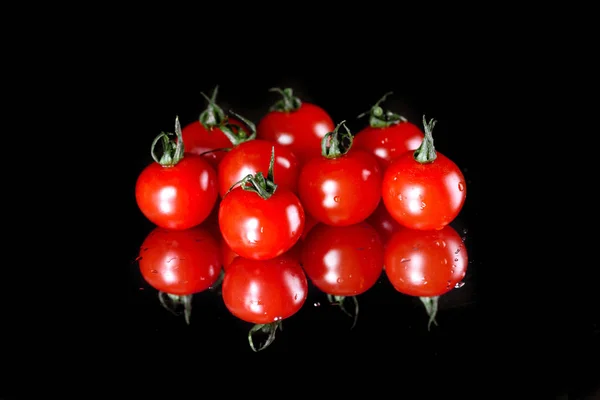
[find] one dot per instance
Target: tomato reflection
(426, 264)
(179, 264)
(343, 261)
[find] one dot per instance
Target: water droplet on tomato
(456, 259)
(336, 199)
(445, 261)
(395, 178)
(440, 243)
(448, 285)
(262, 229)
(424, 281)
(154, 271)
(423, 205)
(457, 251)
(459, 285)
(296, 296)
(461, 186)
(339, 280)
(403, 260)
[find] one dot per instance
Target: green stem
(213, 115)
(270, 329)
(335, 144)
(264, 187)
(431, 306)
(339, 301)
(426, 152)
(176, 304)
(173, 150)
(235, 133)
(378, 118)
(287, 103)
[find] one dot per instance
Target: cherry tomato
(342, 190)
(343, 261)
(388, 135)
(425, 263)
(227, 255)
(299, 125)
(205, 134)
(262, 292)
(254, 156)
(424, 189)
(180, 262)
(383, 222)
(259, 220)
(177, 191)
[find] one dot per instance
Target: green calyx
(213, 115)
(336, 143)
(264, 187)
(287, 103)
(236, 133)
(172, 149)
(426, 152)
(378, 118)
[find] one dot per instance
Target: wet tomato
(296, 124)
(205, 135)
(176, 191)
(388, 135)
(259, 220)
(340, 187)
(424, 189)
(254, 156)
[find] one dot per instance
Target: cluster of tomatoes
(295, 199)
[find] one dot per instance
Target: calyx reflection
(179, 264)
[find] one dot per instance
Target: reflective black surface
(390, 323)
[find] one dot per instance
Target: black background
(140, 80)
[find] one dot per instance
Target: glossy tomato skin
(301, 130)
(341, 191)
(254, 156)
(177, 197)
(343, 261)
(383, 222)
(261, 229)
(389, 142)
(423, 196)
(425, 263)
(197, 140)
(261, 292)
(180, 262)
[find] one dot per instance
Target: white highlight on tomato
(166, 196)
(332, 262)
(330, 188)
(294, 283)
(284, 162)
(204, 178)
(251, 230)
(293, 216)
(285, 139)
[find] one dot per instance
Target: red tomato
(299, 125)
(253, 156)
(425, 263)
(177, 191)
(424, 189)
(342, 190)
(180, 262)
(309, 223)
(388, 135)
(343, 261)
(259, 222)
(263, 292)
(205, 134)
(383, 222)
(227, 255)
